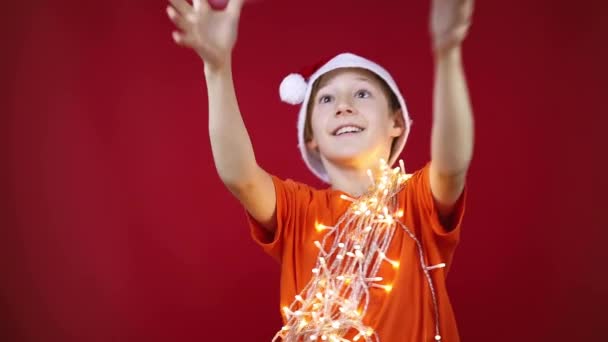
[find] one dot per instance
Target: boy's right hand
(211, 33)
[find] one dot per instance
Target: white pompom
(293, 89)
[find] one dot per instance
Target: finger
(182, 39)
(460, 33)
(466, 10)
(200, 5)
(179, 21)
(182, 6)
(234, 6)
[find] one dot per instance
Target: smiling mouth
(348, 130)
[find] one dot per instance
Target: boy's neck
(354, 181)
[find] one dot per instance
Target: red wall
(115, 226)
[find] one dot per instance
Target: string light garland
(336, 298)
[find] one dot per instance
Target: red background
(115, 227)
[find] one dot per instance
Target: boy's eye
(325, 99)
(362, 94)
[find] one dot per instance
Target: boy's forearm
(230, 143)
(452, 132)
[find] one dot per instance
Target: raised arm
(452, 132)
(212, 34)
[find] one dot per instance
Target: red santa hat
(296, 89)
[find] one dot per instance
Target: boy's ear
(398, 125)
(313, 146)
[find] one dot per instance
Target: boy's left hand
(449, 24)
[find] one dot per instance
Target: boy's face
(351, 120)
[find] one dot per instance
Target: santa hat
(296, 89)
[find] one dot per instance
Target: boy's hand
(450, 21)
(211, 33)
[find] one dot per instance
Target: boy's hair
(393, 102)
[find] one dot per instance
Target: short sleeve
(291, 203)
(420, 185)
(439, 241)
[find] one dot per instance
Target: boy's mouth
(347, 130)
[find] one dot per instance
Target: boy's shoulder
(296, 187)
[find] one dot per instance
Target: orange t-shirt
(406, 313)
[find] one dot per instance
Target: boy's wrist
(452, 54)
(217, 70)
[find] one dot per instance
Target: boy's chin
(343, 155)
(355, 159)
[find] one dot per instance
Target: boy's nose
(344, 108)
(344, 111)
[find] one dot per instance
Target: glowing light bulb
(387, 288)
(344, 197)
(321, 227)
(440, 265)
(374, 279)
(371, 176)
(394, 263)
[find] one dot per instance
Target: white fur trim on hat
(291, 90)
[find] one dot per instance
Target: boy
(366, 258)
